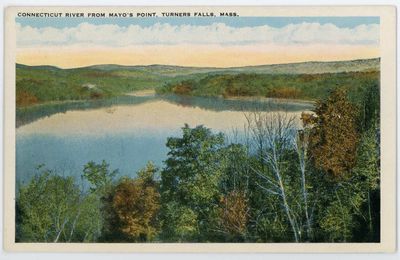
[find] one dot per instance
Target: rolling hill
(39, 84)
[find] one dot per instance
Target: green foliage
(370, 107)
(352, 210)
(51, 208)
(337, 222)
(292, 86)
(367, 172)
(39, 85)
(367, 167)
(236, 168)
(190, 181)
(179, 222)
(99, 176)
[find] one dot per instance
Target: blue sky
(195, 41)
(277, 22)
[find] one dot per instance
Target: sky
(194, 41)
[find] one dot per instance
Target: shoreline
(152, 92)
(262, 98)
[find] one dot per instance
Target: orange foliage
(308, 119)
(25, 98)
(182, 88)
(234, 214)
(334, 136)
(136, 202)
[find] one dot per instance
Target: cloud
(86, 34)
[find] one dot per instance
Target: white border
(391, 97)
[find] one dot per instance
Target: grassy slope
(38, 84)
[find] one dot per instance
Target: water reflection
(31, 114)
(126, 131)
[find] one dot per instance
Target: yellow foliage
(234, 213)
(136, 203)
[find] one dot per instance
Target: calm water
(127, 131)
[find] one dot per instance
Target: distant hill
(40, 67)
(312, 67)
(38, 84)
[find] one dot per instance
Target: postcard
(200, 129)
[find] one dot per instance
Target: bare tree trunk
(302, 153)
(370, 215)
(60, 231)
(272, 136)
(287, 208)
(74, 225)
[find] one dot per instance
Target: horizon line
(198, 67)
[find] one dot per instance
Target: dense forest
(316, 183)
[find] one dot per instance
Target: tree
(370, 107)
(190, 183)
(302, 146)
(99, 176)
(273, 135)
(338, 221)
(234, 215)
(52, 208)
(352, 159)
(367, 175)
(101, 179)
(136, 203)
(236, 171)
(334, 136)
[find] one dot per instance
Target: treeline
(291, 86)
(280, 183)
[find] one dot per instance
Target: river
(126, 131)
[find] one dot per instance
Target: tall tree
(136, 204)
(190, 183)
(334, 137)
(367, 174)
(101, 188)
(273, 136)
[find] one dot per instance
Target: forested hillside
(310, 80)
(290, 86)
